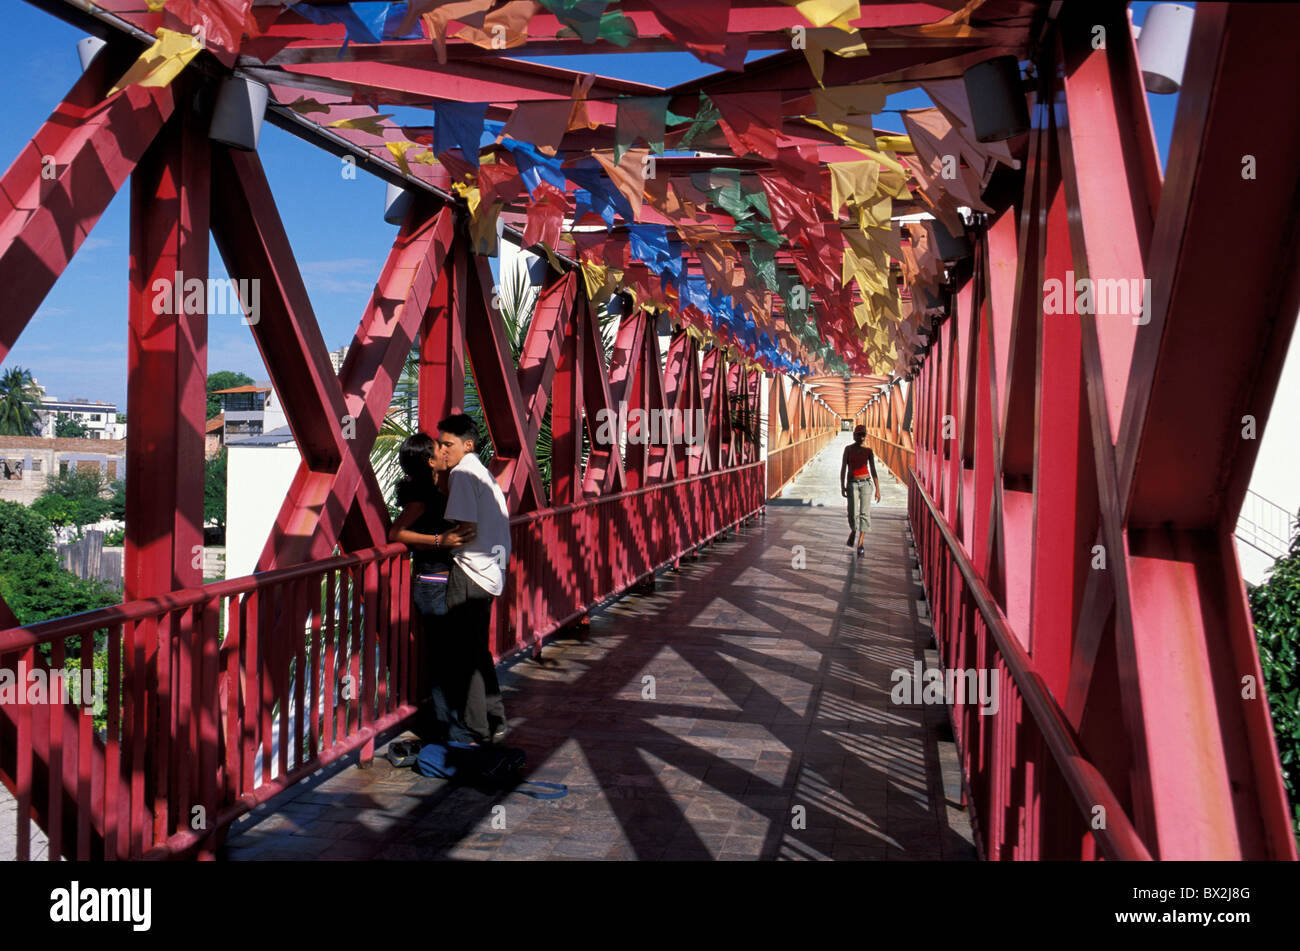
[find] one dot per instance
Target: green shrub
(74, 498)
(23, 530)
(1275, 606)
(36, 588)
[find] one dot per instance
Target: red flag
(793, 208)
(751, 121)
(545, 216)
(499, 181)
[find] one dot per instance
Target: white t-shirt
(474, 496)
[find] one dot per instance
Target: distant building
(99, 418)
(249, 410)
(215, 436)
(337, 357)
(259, 471)
(27, 461)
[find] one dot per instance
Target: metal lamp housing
(1162, 46)
(237, 119)
(997, 101)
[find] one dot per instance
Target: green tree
(66, 427)
(214, 490)
(74, 498)
(224, 380)
(23, 530)
(19, 402)
(117, 501)
(1275, 607)
(36, 588)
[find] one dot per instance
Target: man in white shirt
(478, 575)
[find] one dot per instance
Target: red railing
(785, 463)
(897, 459)
(1033, 793)
(206, 689)
(565, 560)
(199, 725)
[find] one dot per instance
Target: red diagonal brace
(311, 520)
(90, 145)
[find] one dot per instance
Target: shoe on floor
(852, 535)
(499, 733)
(862, 552)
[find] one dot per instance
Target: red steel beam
(61, 182)
(1184, 465)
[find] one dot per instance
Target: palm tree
(19, 402)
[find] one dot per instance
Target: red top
(859, 460)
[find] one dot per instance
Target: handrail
(525, 517)
(1118, 839)
(21, 637)
(72, 625)
(268, 698)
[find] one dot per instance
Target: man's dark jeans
(466, 695)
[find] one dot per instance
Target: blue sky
(76, 344)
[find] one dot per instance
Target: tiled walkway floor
(769, 732)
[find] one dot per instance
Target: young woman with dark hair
(431, 538)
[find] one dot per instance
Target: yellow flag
(483, 227)
(550, 256)
(854, 182)
(372, 124)
(854, 132)
(399, 154)
(162, 62)
(838, 13)
(835, 102)
(895, 143)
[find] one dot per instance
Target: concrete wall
(257, 480)
(38, 452)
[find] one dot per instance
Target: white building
(259, 471)
(99, 418)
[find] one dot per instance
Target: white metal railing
(1265, 525)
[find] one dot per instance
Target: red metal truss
(1074, 499)
(61, 182)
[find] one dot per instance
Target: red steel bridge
(1073, 478)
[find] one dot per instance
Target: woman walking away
(431, 537)
(859, 464)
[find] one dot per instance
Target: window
(112, 468)
(63, 468)
(36, 465)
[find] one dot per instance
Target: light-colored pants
(860, 491)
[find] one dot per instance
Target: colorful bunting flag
(459, 126)
(160, 63)
(642, 118)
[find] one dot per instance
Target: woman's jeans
(466, 696)
(860, 505)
